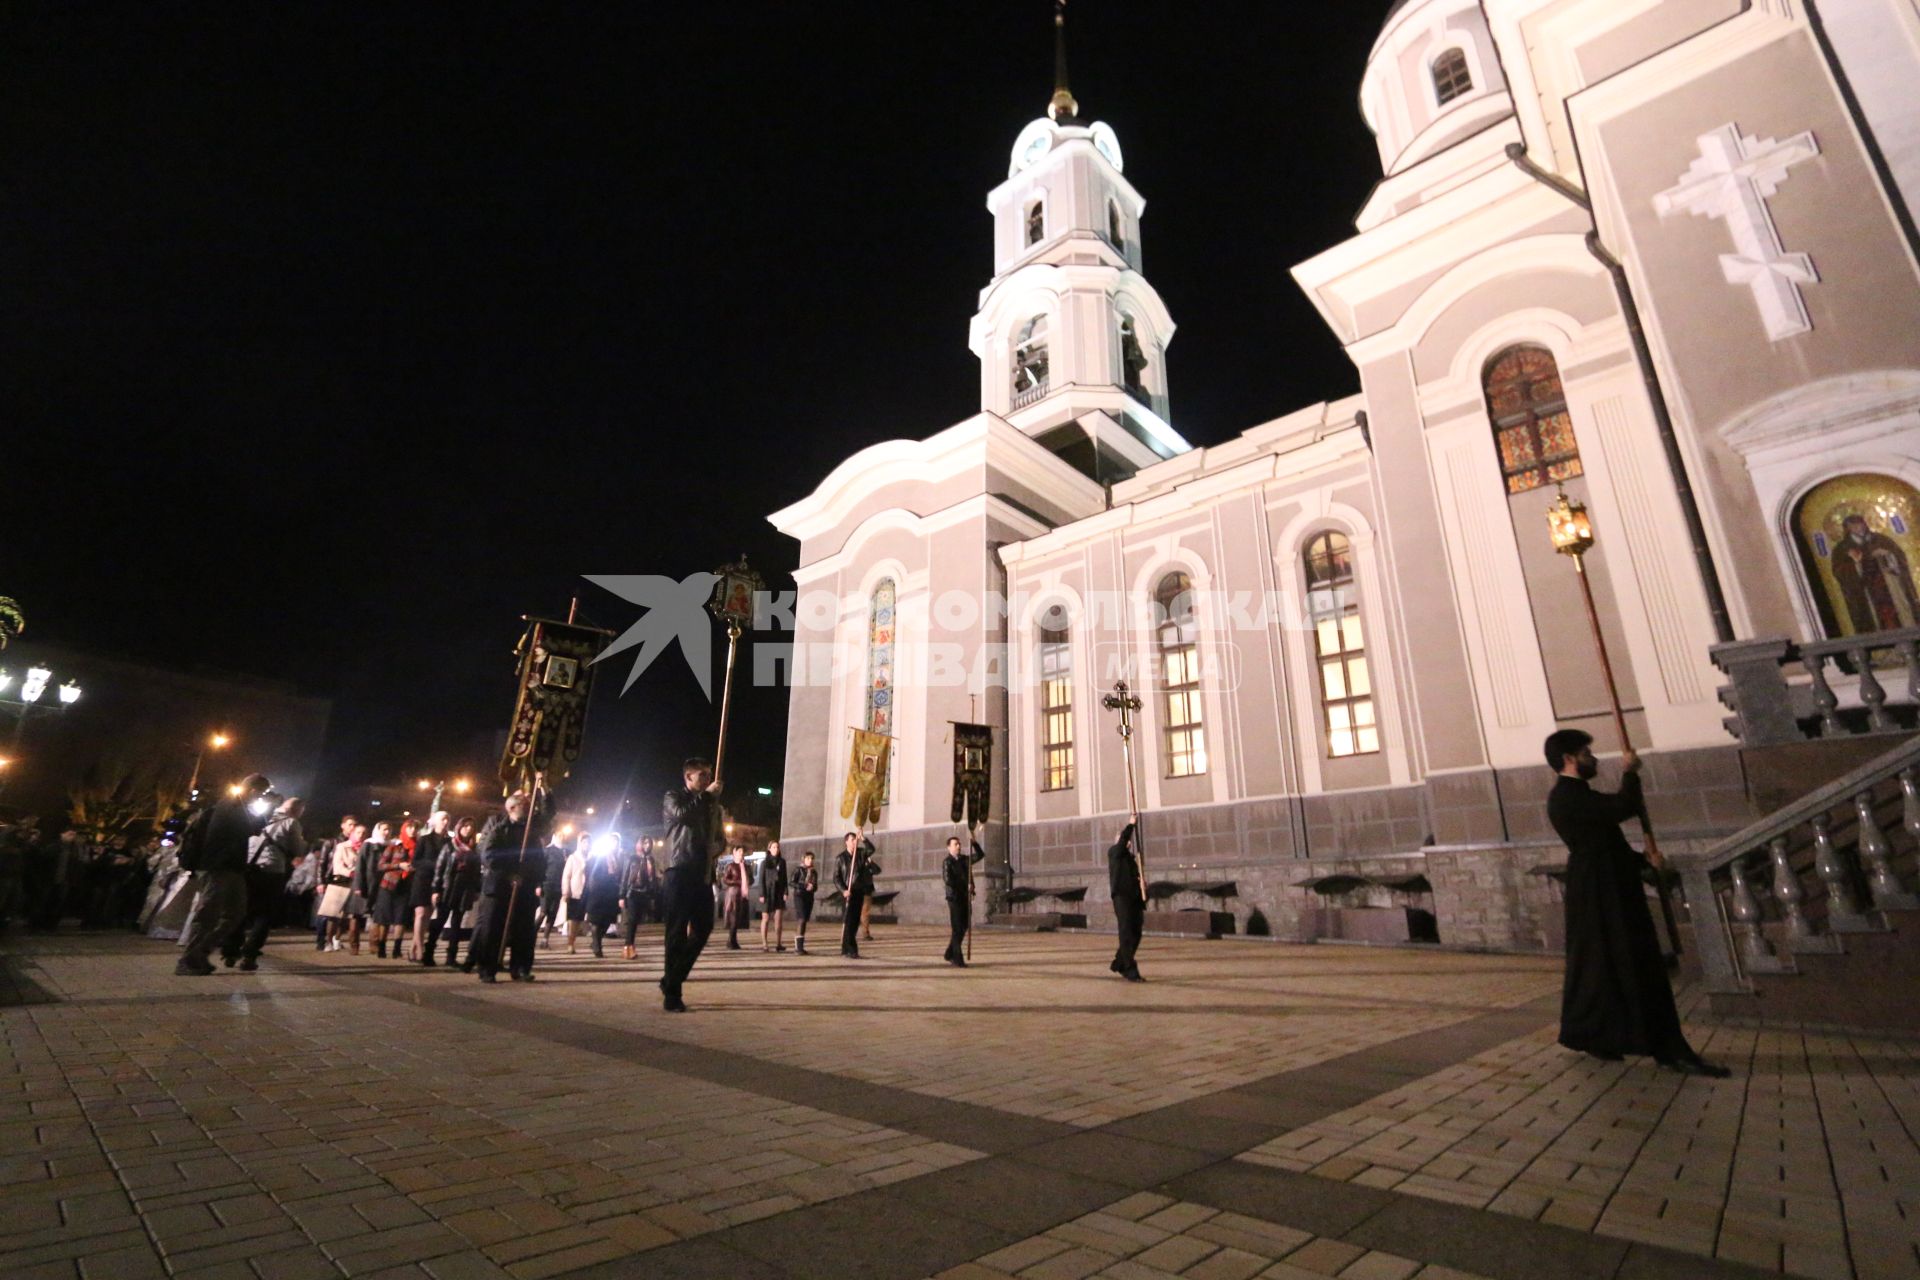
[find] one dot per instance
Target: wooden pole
(1620, 728)
(726, 696)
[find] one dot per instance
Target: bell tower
(1071, 338)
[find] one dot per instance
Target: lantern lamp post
(1572, 532)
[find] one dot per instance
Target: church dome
(1432, 78)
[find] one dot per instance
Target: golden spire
(1063, 103)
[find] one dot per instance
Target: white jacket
(573, 880)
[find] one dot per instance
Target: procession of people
(224, 878)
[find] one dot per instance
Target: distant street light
(214, 742)
(462, 785)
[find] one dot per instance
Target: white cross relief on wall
(1732, 180)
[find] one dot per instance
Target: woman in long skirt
(338, 893)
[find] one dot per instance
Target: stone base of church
(1479, 841)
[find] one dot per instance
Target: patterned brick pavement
(1400, 1113)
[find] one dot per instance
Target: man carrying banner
(693, 819)
(853, 872)
(512, 848)
(956, 872)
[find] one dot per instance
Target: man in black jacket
(513, 849)
(956, 871)
(219, 852)
(693, 818)
(853, 871)
(1129, 904)
(1615, 999)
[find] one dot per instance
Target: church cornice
(982, 441)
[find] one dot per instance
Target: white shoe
(334, 945)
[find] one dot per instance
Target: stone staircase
(1809, 915)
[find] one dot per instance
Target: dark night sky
(338, 336)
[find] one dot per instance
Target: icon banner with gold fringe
(866, 777)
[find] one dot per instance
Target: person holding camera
(215, 849)
(270, 860)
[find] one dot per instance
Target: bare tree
(117, 793)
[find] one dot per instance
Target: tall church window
(1056, 703)
(1030, 362)
(1340, 647)
(880, 684)
(1116, 228)
(1530, 420)
(1036, 223)
(1179, 640)
(1133, 361)
(1451, 78)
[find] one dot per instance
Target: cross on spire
(1732, 180)
(1063, 103)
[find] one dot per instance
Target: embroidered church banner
(550, 709)
(972, 772)
(866, 777)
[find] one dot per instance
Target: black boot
(596, 947)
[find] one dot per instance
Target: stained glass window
(1179, 636)
(1451, 78)
(1056, 704)
(880, 686)
(1340, 647)
(1530, 420)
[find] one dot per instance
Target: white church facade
(1657, 253)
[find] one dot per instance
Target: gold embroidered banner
(866, 777)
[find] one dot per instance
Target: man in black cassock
(1129, 904)
(513, 851)
(1615, 1000)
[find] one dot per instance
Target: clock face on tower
(1107, 142)
(1034, 142)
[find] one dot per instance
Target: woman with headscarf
(338, 893)
(427, 851)
(457, 877)
(392, 902)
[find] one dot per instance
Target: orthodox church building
(1659, 254)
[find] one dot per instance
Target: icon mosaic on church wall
(1857, 543)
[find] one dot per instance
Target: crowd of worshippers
(224, 877)
(244, 865)
(50, 876)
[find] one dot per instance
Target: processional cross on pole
(1126, 702)
(1732, 180)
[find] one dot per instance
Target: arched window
(1857, 536)
(1116, 228)
(1036, 223)
(880, 687)
(1030, 362)
(1056, 701)
(1178, 633)
(1530, 421)
(1451, 78)
(1133, 361)
(1340, 647)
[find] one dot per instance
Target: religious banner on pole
(866, 777)
(972, 776)
(550, 708)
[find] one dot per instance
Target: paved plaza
(1255, 1109)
